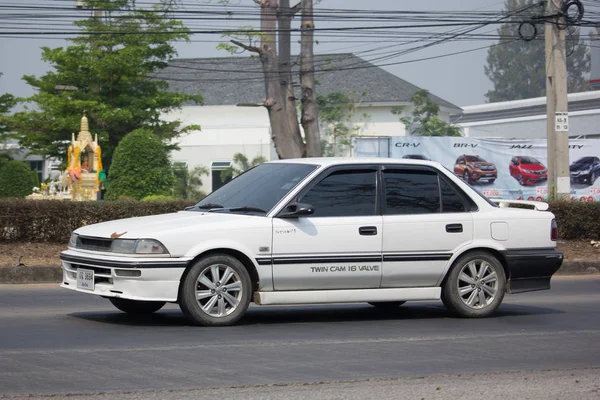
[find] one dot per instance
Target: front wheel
(386, 305)
(475, 286)
(216, 291)
(136, 306)
(466, 176)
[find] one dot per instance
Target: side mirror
(296, 210)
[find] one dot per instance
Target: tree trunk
(310, 114)
(286, 144)
(285, 67)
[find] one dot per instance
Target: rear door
(339, 246)
(425, 219)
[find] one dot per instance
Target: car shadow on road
(309, 314)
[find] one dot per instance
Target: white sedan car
(306, 231)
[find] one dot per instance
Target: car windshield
(584, 160)
(257, 190)
(529, 160)
(474, 159)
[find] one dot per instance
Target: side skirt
(346, 296)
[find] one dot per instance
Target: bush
(54, 220)
(157, 197)
(577, 220)
(140, 167)
(16, 180)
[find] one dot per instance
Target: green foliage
(5, 157)
(188, 183)
(156, 197)
(140, 167)
(240, 164)
(113, 77)
(338, 121)
(54, 220)
(577, 220)
(517, 68)
(424, 120)
(16, 180)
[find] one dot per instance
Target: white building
(232, 88)
(526, 119)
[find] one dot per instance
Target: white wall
(225, 130)
(581, 124)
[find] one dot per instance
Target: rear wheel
(474, 286)
(387, 304)
(216, 291)
(136, 306)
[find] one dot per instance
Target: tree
(337, 112)
(140, 167)
(424, 120)
(188, 183)
(107, 74)
(517, 68)
(240, 164)
(7, 101)
(16, 180)
(280, 101)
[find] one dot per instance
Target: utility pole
(559, 183)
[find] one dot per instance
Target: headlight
(139, 246)
(528, 171)
(73, 240)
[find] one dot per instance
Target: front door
(339, 246)
(426, 219)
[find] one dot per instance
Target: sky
(459, 79)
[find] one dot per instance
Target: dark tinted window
(474, 159)
(529, 160)
(451, 201)
(344, 193)
(261, 187)
(411, 192)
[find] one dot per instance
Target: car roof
(330, 161)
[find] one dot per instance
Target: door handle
(454, 228)
(368, 230)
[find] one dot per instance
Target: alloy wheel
(219, 290)
(477, 284)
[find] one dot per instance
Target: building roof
(524, 108)
(235, 80)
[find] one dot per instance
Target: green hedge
(53, 220)
(577, 220)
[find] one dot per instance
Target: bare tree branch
(296, 9)
(246, 47)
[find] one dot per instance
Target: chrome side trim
(346, 296)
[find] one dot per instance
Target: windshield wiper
(204, 207)
(240, 209)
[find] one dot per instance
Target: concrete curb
(25, 274)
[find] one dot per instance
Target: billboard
(508, 169)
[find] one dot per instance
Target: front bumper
(158, 278)
(531, 269)
(484, 174)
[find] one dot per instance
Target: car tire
(136, 307)
(386, 305)
(593, 178)
(491, 181)
(216, 291)
(520, 180)
(474, 286)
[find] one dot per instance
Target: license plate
(85, 279)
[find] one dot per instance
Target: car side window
(451, 200)
(344, 194)
(411, 192)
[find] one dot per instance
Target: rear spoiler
(538, 205)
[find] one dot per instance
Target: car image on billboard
(527, 170)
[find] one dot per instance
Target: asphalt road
(56, 341)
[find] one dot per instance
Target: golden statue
(84, 164)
